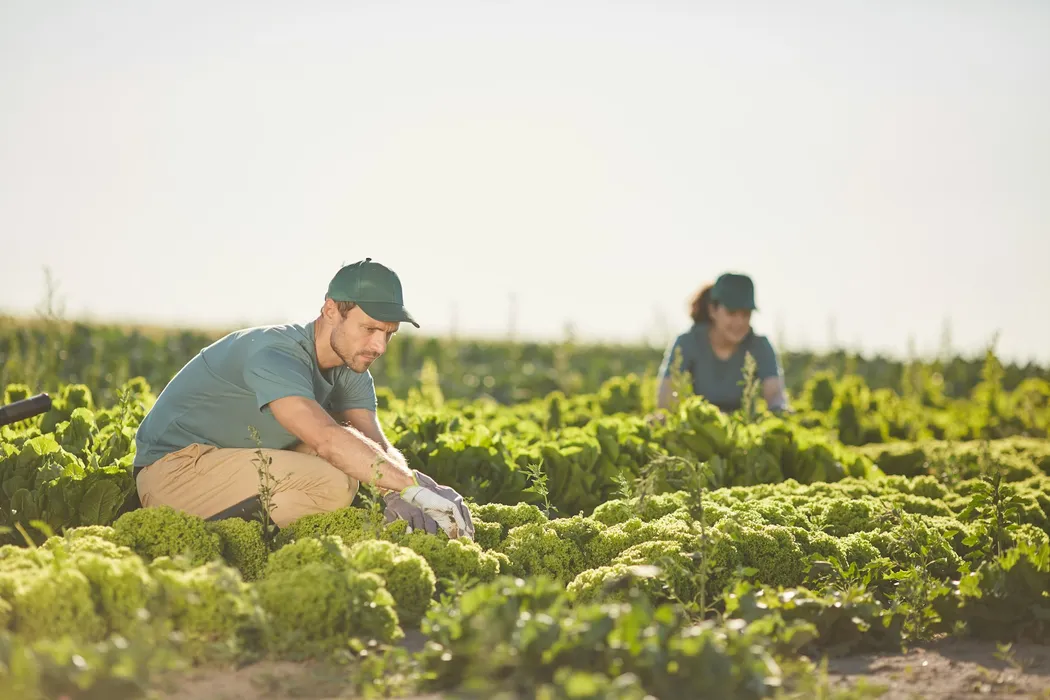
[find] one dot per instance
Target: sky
(881, 169)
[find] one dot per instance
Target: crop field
(889, 538)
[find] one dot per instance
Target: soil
(958, 669)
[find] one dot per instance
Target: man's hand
(430, 506)
(398, 508)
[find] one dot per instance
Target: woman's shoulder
(761, 342)
(760, 338)
(690, 335)
(684, 343)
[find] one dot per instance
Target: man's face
(359, 340)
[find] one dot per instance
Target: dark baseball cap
(374, 287)
(734, 291)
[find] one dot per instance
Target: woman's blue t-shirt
(718, 380)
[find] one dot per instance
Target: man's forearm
(383, 445)
(355, 454)
(395, 454)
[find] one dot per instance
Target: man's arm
(366, 422)
(355, 453)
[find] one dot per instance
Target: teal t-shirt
(225, 389)
(715, 379)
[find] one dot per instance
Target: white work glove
(435, 503)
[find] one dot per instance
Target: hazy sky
(882, 164)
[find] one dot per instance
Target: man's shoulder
(294, 337)
(296, 332)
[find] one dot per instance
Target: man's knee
(343, 493)
(321, 491)
(334, 489)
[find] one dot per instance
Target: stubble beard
(365, 363)
(358, 362)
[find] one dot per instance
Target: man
(303, 398)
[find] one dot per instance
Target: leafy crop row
(48, 352)
(616, 556)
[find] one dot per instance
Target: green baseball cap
(374, 287)
(734, 291)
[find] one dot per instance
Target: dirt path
(262, 681)
(955, 669)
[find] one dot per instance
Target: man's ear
(329, 309)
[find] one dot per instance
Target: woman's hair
(698, 308)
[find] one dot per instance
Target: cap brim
(737, 304)
(388, 312)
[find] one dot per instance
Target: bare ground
(958, 669)
(262, 681)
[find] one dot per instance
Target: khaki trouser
(204, 480)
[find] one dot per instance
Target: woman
(712, 351)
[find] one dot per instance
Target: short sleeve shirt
(225, 391)
(718, 380)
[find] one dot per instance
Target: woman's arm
(774, 388)
(664, 393)
(775, 394)
(679, 357)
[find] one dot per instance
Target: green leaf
(53, 501)
(23, 506)
(15, 484)
(100, 503)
